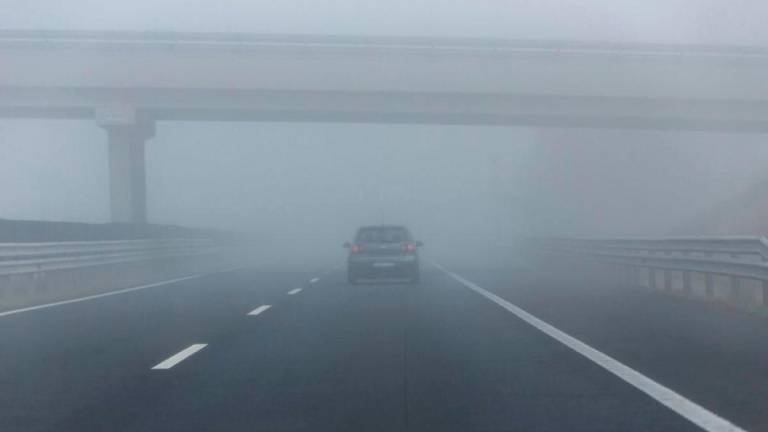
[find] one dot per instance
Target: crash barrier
(732, 270)
(31, 273)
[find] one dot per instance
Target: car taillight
(356, 249)
(409, 247)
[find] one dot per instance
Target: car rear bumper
(383, 266)
(394, 260)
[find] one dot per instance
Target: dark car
(383, 251)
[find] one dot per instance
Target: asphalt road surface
(251, 350)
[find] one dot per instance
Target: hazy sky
(640, 183)
(275, 177)
(293, 179)
(305, 179)
(278, 177)
(680, 21)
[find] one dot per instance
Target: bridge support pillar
(127, 172)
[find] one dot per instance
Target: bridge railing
(22, 258)
(733, 269)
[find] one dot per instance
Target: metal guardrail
(745, 257)
(20, 258)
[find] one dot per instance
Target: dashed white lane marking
(314, 280)
(179, 357)
(111, 293)
(259, 310)
(695, 413)
(294, 291)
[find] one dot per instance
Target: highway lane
(710, 353)
(54, 361)
(329, 357)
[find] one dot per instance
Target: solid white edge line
(259, 310)
(294, 291)
(693, 412)
(179, 357)
(314, 280)
(111, 293)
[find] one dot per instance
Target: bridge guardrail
(739, 263)
(21, 258)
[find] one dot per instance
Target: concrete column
(127, 172)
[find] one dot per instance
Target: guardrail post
(646, 277)
(709, 285)
(5, 286)
(624, 275)
(620, 278)
(716, 268)
(764, 300)
(735, 294)
(621, 275)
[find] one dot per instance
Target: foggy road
(256, 350)
(575, 194)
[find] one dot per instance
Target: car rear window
(381, 235)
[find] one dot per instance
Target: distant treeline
(17, 231)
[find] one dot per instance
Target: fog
(663, 21)
(399, 215)
(306, 187)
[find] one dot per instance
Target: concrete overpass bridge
(126, 82)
